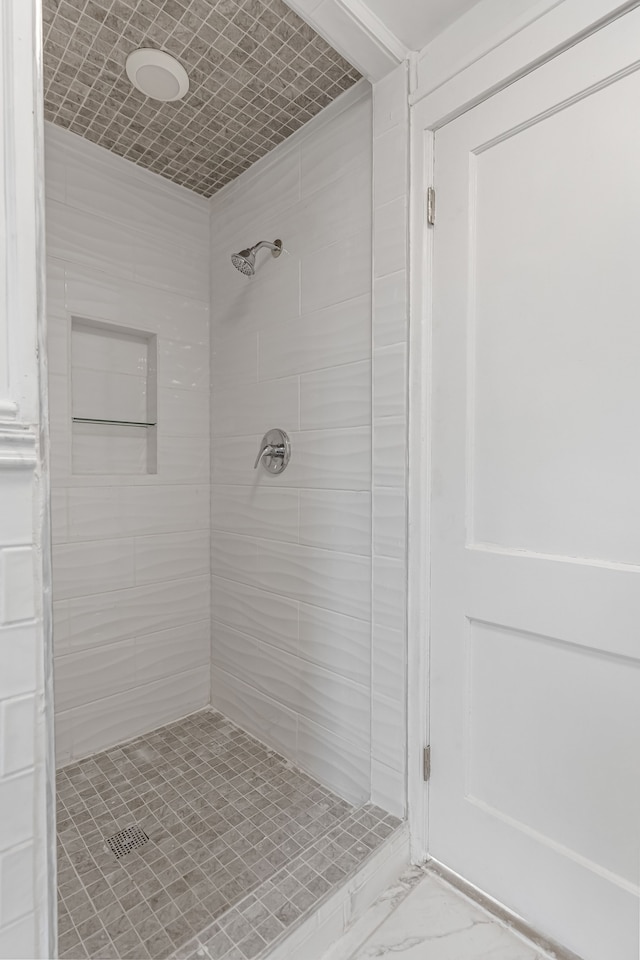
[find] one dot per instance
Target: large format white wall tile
(389, 522)
(337, 459)
(97, 672)
(170, 652)
(389, 542)
(390, 174)
(108, 617)
(265, 718)
(93, 179)
(324, 697)
(131, 556)
(336, 520)
(171, 556)
(338, 581)
(94, 348)
(291, 348)
(184, 460)
(241, 303)
(183, 412)
(341, 644)
(113, 719)
(162, 263)
(165, 508)
(336, 762)
(343, 213)
(255, 613)
(256, 511)
(388, 732)
(92, 567)
(348, 137)
(234, 557)
(336, 397)
(255, 408)
(182, 365)
(390, 237)
(389, 452)
(390, 381)
(388, 788)
(337, 334)
(69, 229)
(390, 315)
(388, 663)
(98, 395)
(389, 596)
(234, 358)
(339, 271)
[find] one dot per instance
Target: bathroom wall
(27, 827)
(131, 548)
(390, 448)
(291, 348)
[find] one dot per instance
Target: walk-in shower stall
(211, 483)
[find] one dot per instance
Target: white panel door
(535, 632)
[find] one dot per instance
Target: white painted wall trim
(18, 446)
(563, 25)
(496, 43)
(419, 487)
(31, 928)
(355, 32)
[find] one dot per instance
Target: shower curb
(308, 937)
(336, 913)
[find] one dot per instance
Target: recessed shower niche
(113, 399)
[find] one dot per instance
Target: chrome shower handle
(275, 451)
(269, 450)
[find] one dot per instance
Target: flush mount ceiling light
(157, 74)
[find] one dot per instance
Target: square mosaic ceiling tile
(257, 73)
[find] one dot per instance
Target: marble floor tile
(432, 921)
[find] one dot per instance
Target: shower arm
(267, 243)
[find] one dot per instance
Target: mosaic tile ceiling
(257, 72)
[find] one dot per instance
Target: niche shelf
(113, 399)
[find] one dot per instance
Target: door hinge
(426, 763)
(431, 206)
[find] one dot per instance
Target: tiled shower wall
(131, 583)
(291, 554)
(390, 450)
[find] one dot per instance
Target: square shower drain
(126, 840)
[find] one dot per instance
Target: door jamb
(426, 116)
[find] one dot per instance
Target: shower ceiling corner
(257, 72)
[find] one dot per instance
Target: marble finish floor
(241, 846)
(422, 917)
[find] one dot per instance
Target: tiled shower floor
(241, 845)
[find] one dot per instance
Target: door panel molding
(559, 29)
(571, 78)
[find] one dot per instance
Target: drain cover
(126, 840)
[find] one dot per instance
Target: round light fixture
(157, 74)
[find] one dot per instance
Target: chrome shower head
(245, 261)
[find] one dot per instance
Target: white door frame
(548, 36)
(24, 460)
